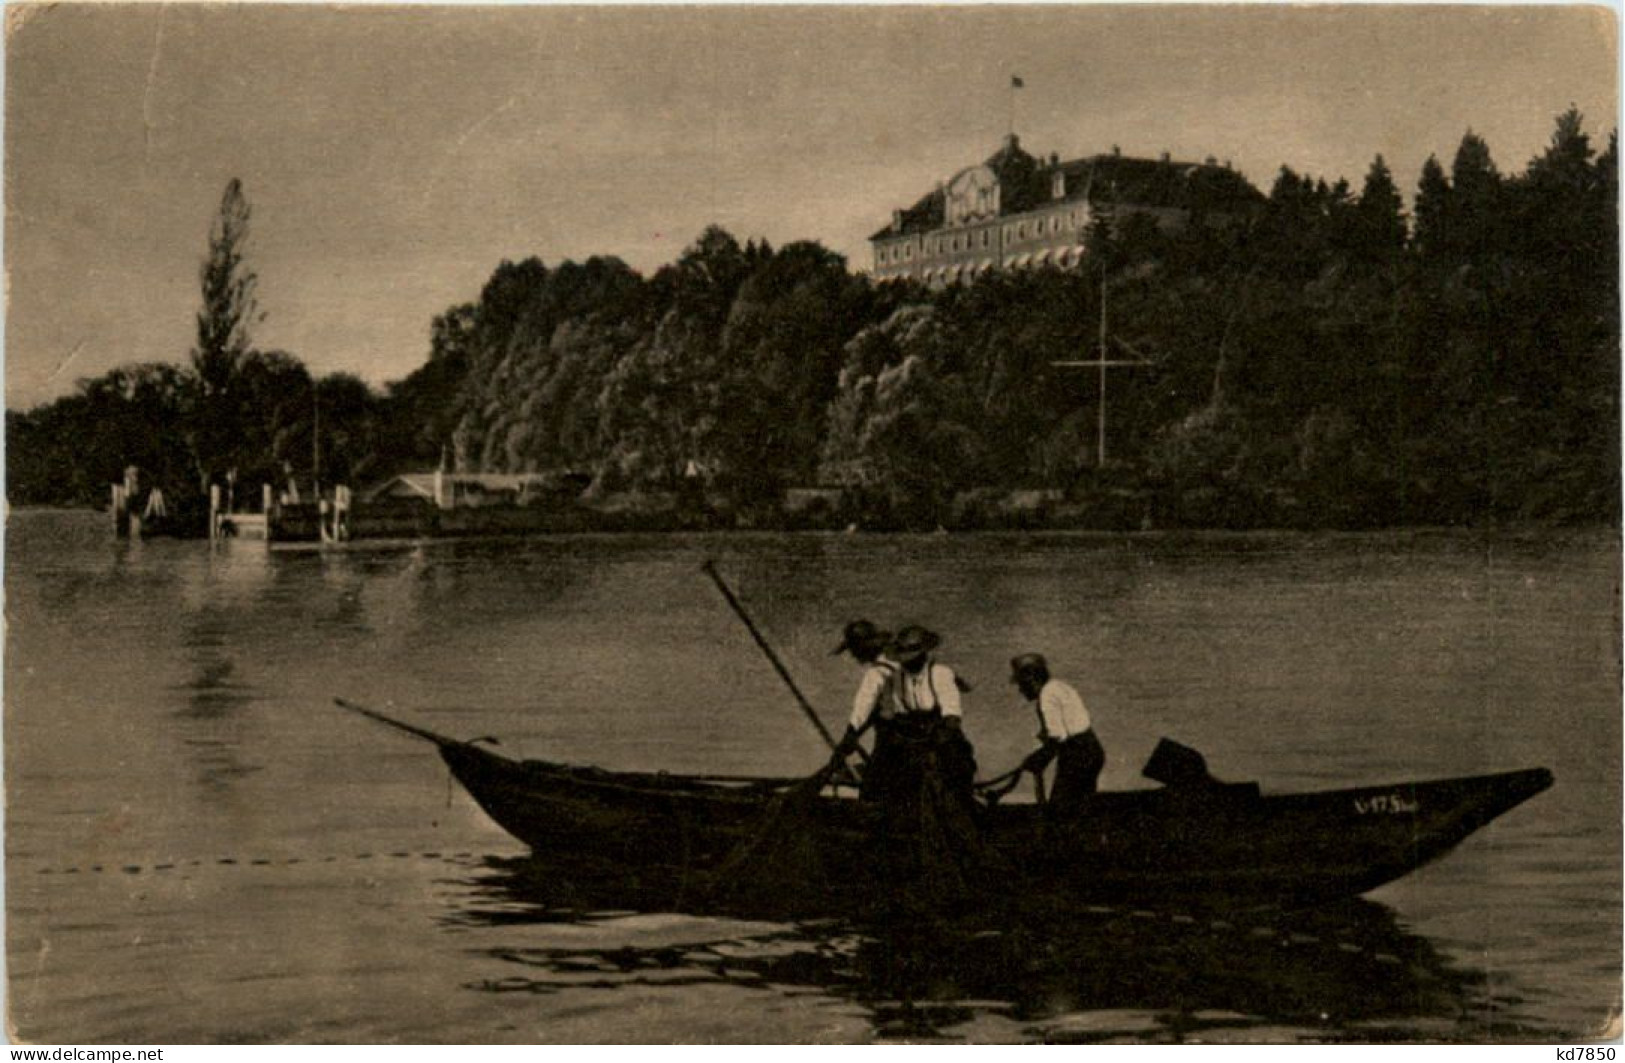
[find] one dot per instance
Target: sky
(394, 156)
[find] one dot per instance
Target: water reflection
(1068, 973)
(211, 702)
(209, 716)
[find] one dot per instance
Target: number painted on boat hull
(1385, 804)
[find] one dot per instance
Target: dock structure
(283, 519)
(135, 513)
(140, 514)
(227, 522)
(434, 504)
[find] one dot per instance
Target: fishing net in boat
(929, 844)
(782, 856)
(913, 847)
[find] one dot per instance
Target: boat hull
(673, 835)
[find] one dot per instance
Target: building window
(908, 252)
(1055, 225)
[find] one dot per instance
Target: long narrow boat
(673, 833)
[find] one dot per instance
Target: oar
(710, 569)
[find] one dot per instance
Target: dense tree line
(1327, 362)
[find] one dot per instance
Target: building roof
(422, 483)
(1027, 183)
(923, 216)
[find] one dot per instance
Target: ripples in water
(1086, 974)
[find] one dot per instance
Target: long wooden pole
(710, 569)
(1100, 423)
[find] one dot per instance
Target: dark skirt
(927, 839)
(1077, 769)
(907, 747)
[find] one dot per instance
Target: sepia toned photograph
(1077, 523)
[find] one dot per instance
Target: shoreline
(592, 523)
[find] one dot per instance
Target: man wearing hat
(1065, 732)
(912, 700)
(866, 643)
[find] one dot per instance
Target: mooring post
(214, 511)
(341, 513)
(121, 514)
(268, 505)
(132, 501)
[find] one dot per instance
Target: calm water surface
(199, 847)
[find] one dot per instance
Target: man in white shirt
(1065, 731)
(921, 712)
(866, 643)
(913, 702)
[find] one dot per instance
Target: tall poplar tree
(223, 322)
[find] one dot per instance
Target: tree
(223, 322)
(1432, 209)
(781, 353)
(347, 428)
(273, 393)
(1567, 159)
(1477, 205)
(1379, 230)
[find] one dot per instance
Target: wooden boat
(672, 833)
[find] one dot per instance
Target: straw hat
(861, 638)
(914, 640)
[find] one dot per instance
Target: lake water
(200, 847)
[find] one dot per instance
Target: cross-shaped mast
(1103, 362)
